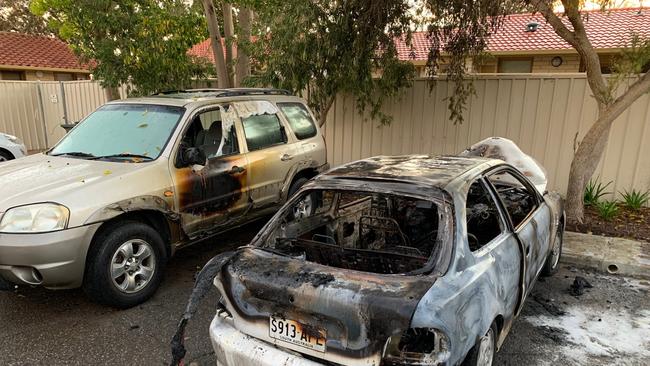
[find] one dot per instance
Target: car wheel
(553, 260)
(125, 264)
(307, 206)
(5, 156)
(482, 354)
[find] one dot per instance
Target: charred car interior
(364, 231)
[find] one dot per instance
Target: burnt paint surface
(424, 169)
(483, 285)
(213, 194)
(359, 310)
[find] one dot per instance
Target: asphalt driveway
(609, 324)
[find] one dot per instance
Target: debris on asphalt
(557, 335)
(579, 285)
(202, 286)
(548, 305)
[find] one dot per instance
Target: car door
(494, 246)
(215, 194)
(303, 128)
(529, 216)
(271, 152)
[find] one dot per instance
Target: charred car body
(407, 260)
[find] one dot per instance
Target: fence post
(42, 109)
(65, 106)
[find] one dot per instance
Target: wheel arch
(11, 155)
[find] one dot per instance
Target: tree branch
(634, 92)
(580, 42)
(560, 29)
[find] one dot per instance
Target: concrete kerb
(606, 254)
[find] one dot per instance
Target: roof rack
(233, 92)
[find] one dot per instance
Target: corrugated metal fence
(543, 113)
(34, 111)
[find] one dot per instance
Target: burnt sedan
(407, 260)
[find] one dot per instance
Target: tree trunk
(322, 116)
(112, 93)
(584, 164)
(593, 145)
(243, 67)
(223, 80)
(229, 33)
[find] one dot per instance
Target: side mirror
(192, 156)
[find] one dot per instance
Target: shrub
(607, 209)
(594, 191)
(635, 199)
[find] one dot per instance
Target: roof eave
(43, 68)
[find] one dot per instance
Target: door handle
(237, 169)
(286, 157)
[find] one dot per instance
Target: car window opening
(518, 200)
(364, 231)
(482, 217)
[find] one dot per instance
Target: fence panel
(545, 114)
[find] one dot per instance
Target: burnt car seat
(210, 140)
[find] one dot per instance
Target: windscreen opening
(364, 231)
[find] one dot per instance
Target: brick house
(527, 44)
(29, 57)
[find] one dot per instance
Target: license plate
(297, 333)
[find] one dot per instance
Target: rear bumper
(233, 348)
(54, 260)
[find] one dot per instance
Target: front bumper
(233, 348)
(54, 260)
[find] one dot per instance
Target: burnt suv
(140, 178)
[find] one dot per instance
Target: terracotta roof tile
(606, 30)
(25, 50)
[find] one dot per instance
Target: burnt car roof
(423, 170)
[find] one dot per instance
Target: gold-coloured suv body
(257, 142)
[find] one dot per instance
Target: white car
(11, 147)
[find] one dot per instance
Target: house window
(520, 65)
(63, 76)
(12, 75)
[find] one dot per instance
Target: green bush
(607, 210)
(594, 191)
(635, 199)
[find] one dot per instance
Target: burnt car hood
(358, 310)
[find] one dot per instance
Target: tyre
(125, 264)
(553, 260)
(5, 156)
(307, 206)
(482, 354)
(295, 186)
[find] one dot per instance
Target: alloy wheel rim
(303, 208)
(133, 266)
(486, 349)
(2, 158)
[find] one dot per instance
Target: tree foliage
(16, 17)
(141, 43)
(459, 30)
(322, 48)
